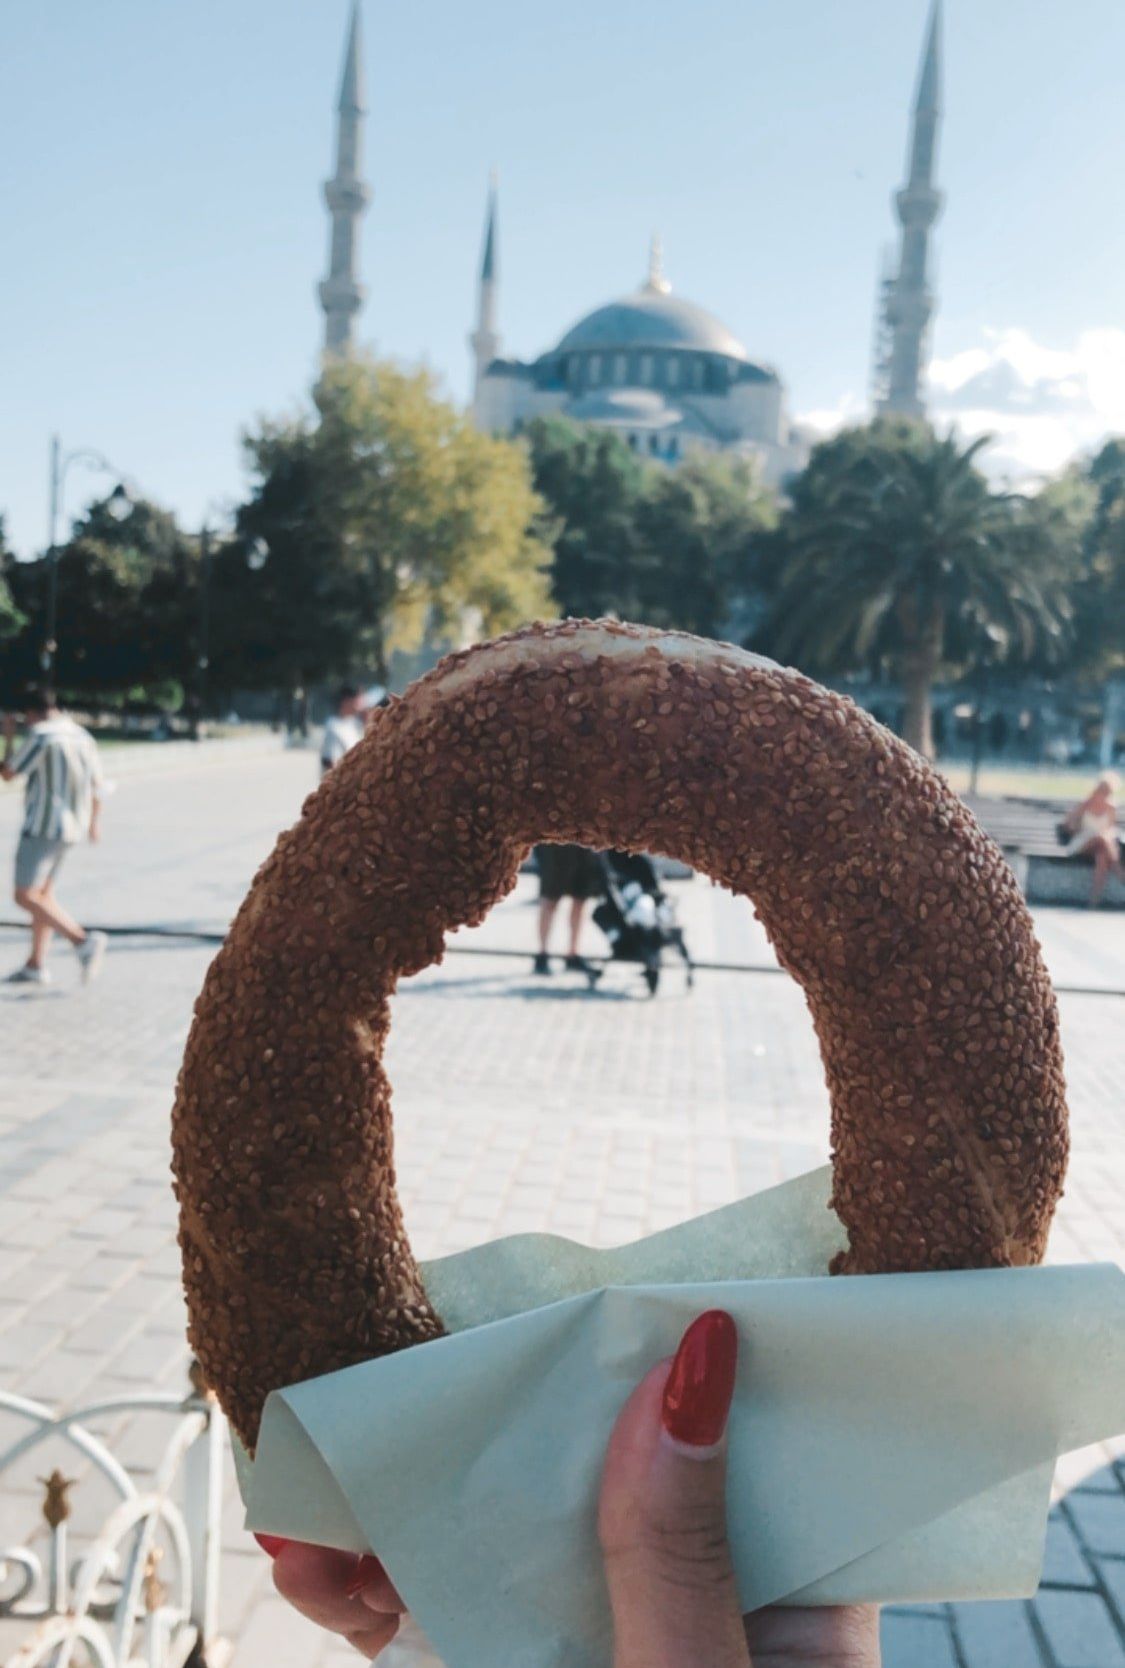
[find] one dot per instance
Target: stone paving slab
(601, 1117)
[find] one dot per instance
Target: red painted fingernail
(698, 1393)
(270, 1543)
(365, 1568)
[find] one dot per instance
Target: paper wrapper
(892, 1437)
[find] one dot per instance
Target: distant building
(656, 369)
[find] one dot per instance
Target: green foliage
(390, 520)
(1099, 593)
(667, 548)
(126, 603)
(12, 619)
(592, 485)
(700, 528)
(896, 551)
(168, 694)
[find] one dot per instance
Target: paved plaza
(520, 1104)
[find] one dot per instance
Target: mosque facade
(652, 366)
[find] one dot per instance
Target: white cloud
(1043, 405)
(827, 419)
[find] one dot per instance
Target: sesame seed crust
(881, 895)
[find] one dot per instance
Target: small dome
(631, 407)
(651, 318)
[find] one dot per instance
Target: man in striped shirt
(59, 761)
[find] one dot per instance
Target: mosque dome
(667, 377)
(625, 407)
(651, 318)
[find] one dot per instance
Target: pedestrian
(571, 872)
(343, 729)
(62, 807)
(1092, 827)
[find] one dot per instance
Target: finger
(322, 1584)
(373, 1585)
(374, 1637)
(662, 1512)
(367, 1579)
(315, 1580)
(846, 1636)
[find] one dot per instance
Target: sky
(165, 228)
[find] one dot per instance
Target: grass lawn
(1023, 781)
(213, 732)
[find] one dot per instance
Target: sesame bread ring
(881, 895)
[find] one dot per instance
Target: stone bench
(1025, 831)
(1047, 877)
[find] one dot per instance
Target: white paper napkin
(891, 1438)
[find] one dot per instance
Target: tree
(674, 548)
(699, 528)
(127, 602)
(12, 618)
(390, 521)
(593, 485)
(897, 550)
(1099, 593)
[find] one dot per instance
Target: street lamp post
(217, 510)
(203, 646)
(59, 465)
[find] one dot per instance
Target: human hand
(662, 1525)
(345, 1594)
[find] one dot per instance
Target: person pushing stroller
(634, 912)
(572, 872)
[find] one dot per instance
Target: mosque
(654, 367)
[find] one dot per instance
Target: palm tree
(896, 550)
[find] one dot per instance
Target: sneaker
(91, 954)
(29, 976)
(578, 964)
(542, 962)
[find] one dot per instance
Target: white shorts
(38, 861)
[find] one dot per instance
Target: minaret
(485, 339)
(909, 301)
(347, 196)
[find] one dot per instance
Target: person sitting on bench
(1092, 826)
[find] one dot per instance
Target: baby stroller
(638, 918)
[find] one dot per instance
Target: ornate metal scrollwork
(143, 1593)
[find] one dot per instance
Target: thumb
(662, 1511)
